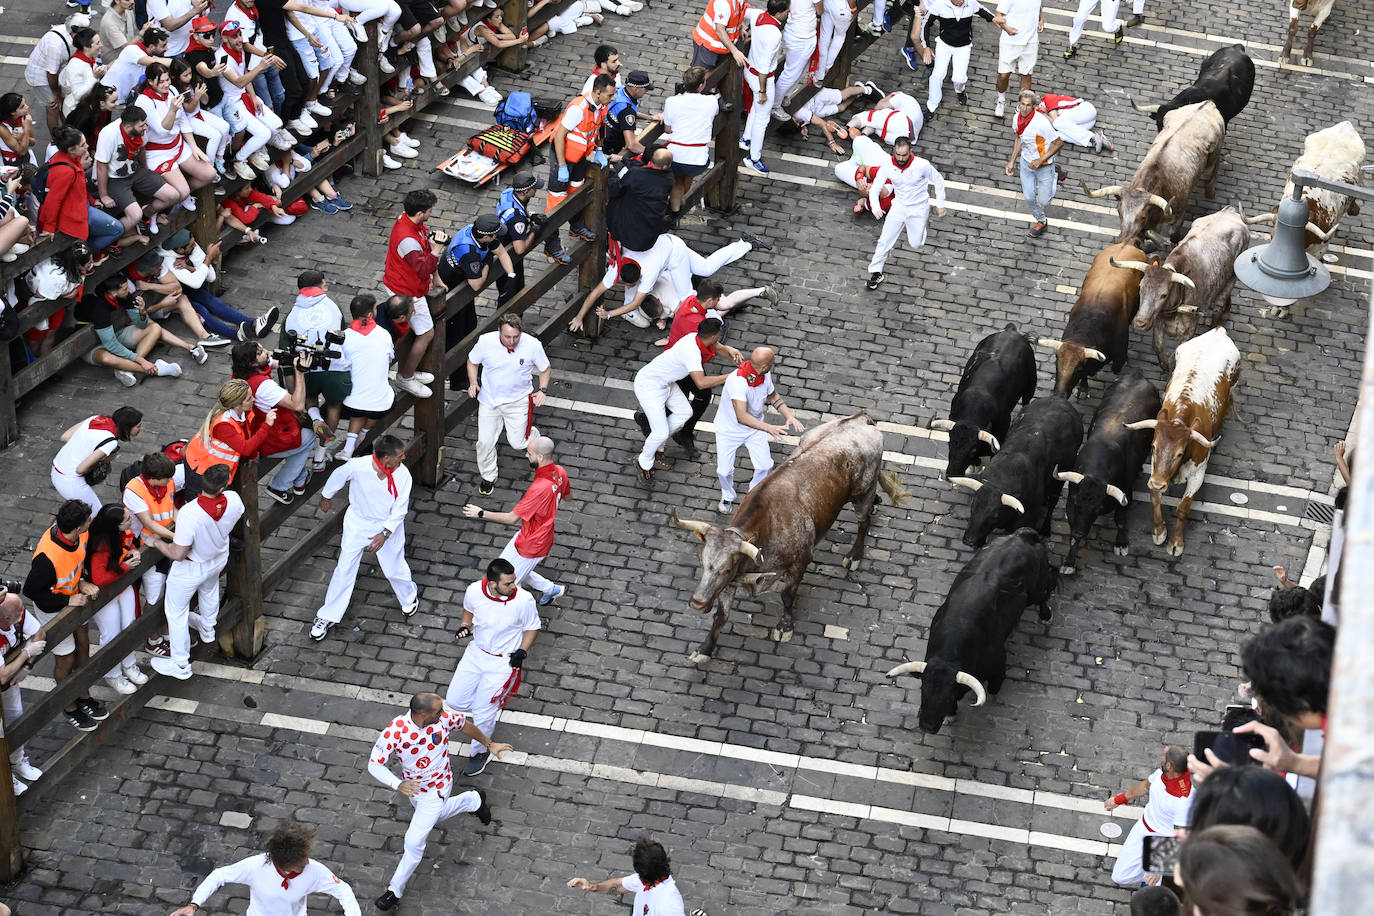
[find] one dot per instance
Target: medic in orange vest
(576, 143)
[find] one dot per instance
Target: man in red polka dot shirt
(420, 739)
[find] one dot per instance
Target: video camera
(307, 356)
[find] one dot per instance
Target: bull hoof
(1121, 551)
(1158, 537)
(1307, 61)
(1068, 570)
(697, 658)
(1176, 548)
(781, 635)
(850, 563)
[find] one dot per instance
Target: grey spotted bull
(967, 648)
(768, 543)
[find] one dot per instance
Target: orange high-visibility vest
(164, 510)
(201, 455)
(583, 138)
(705, 32)
(67, 563)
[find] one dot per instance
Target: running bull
(768, 543)
(968, 636)
(1000, 372)
(1336, 153)
(1098, 329)
(1320, 11)
(1227, 78)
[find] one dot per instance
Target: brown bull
(769, 541)
(1098, 329)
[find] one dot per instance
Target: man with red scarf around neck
(911, 178)
(200, 545)
(739, 421)
(278, 879)
(652, 883)
(1170, 796)
(1036, 144)
(378, 500)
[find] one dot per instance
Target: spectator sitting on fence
(163, 294)
(396, 140)
(111, 551)
(16, 130)
(83, 71)
(126, 350)
(288, 441)
(194, 269)
(49, 55)
(369, 352)
(200, 120)
(94, 112)
(240, 105)
(243, 208)
(689, 118)
(57, 277)
(169, 146)
(19, 630)
(87, 450)
(55, 583)
(419, 20)
(16, 232)
(312, 317)
(67, 206)
(122, 178)
(126, 67)
(316, 53)
(491, 31)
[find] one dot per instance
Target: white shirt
(79, 447)
(76, 79)
(689, 118)
(673, 364)
(49, 55)
(619, 81)
(506, 374)
(266, 896)
(737, 388)
(800, 26)
(423, 752)
(907, 105)
(1021, 15)
(27, 625)
(157, 134)
(269, 394)
(910, 185)
(232, 92)
(651, 264)
(369, 358)
(207, 538)
(765, 45)
(1164, 812)
(177, 41)
(663, 899)
(307, 20)
(1037, 137)
(125, 72)
(252, 29)
(887, 123)
(370, 503)
(499, 624)
(108, 145)
(194, 273)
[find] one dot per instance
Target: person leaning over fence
(718, 32)
(622, 116)
(518, 227)
(55, 582)
(576, 145)
(126, 67)
(288, 441)
(87, 452)
(126, 350)
(689, 120)
(111, 552)
(18, 630)
(369, 351)
(412, 257)
(231, 432)
(150, 498)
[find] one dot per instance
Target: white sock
(350, 443)
(315, 414)
(1001, 97)
(319, 455)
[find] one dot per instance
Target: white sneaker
(315, 108)
(724, 507)
(169, 668)
(243, 170)
(207, 637)
(541, 40)
(390, 163)
(189, 204)
(120, 684)
(126, 378)
(637, 318)
(356, 78)
(408, 610)
(320, 628)
(281, 139)
(260, 161)
(404, 152)
(408, 140)
(411, 386)
(1000, 108)
(424, 378)
(490, 95)
(300, 125)
(198, 353)
(19, 787)
(385, 65)
(25, 770)
(584, 20)
(166, 369)
(135, 675)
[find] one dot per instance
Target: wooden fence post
(11, 853)
(9, 410)
(722, 197)
(245, 569)
(429, 412)
(590, 271)
(516, 17)
(370, 104)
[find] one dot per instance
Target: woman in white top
(83, 71)
(16, 130)
(688, 119)
(169, 144)
(85, 445)
(207, 125)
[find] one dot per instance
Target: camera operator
(689, 116)
(468, 259)
(311, 319)
(287, 441)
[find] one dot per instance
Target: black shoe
(962, 98)
(78, 720)
(282, 496)
(93, 708)
(930, 114)
(476, 764)
(483, 813)
(486, 487)
(1120, 35)
(387, 901)
(754, 240)
(874, 279)
(688, 445)
(642, 421)
(1070, 51)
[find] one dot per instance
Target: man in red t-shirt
(535, 514)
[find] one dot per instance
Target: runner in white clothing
(911, 178)
(503, 622)
(799, 36)
(378, 499)
(506, 396)
(655, 891)
(280, 879)
(1170, 797)
(739, 421)
(760, 72)
(835, 19)
(663, 405)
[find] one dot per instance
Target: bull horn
(1181, 279)
(917, 668)
(1068, 476)
(697, 528)
(1186, 309)
(991, 440)
(1162, 204)
(1115, 493)
(1133, 265)
(969, 482)
(971, 682)
(1108, 191)
(755, 578)
(1202, 440)
(1143, 424)
(1011, 502)
(1159, 240)
(945, 425)
(1147, 109)
(1262, 218)
(750, 551)
(1098, 355)
(1316, 230)
(1050, 342)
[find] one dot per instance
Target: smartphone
(1159, 855)
(1227, 745)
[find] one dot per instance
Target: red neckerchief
(236, 55)
(114, 303)
(1051, 102)
(402, 327)
(155, 492)
(312, 291)
(15, 122)
(490, 596)
(197, 45)
(132, 144)
(707, 353)
(286, 876)
(142, 47)
(252, 12)
(751, 375)
(57, 536)
(104, 424)
(766, 19)
(83, 56)
(1178, 786)
(363, 326)
(509, 349)
(153, 94)
(903, 168)
(214, 506)
(389, 473)
(1023, 123)
(692, 305)
(650, 885)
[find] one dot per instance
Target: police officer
(468, 260)
(622, 116)
(518, 226)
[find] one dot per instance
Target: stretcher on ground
(478, 168)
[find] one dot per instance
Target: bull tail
(892, 486)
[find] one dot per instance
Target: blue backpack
(517, 111)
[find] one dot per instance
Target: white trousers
(478, 677)
(667, 409)
(524, 567)
(430, 808)
(216, 132)
(518, 419)
(188, 579)
(112, 619)
(14, 708)
(1129, 869)
(1085, 8)
(74, 486)
(945, 57)
(798, 58)
(1076, 124)
(727, 447)
(342, 49)
(364, 11)
(835, 19)
(259, 126)
(756, 125)
(681, 272)
(153, 584)
(391, 557)
(914, 219)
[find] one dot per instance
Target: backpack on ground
(517, 111)
(502, 144)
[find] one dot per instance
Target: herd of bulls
(1150, 278)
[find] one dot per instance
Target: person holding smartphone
(1168, 792)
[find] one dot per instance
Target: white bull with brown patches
(1320, 11)
(1336, 153)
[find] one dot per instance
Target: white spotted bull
(1320, 10)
